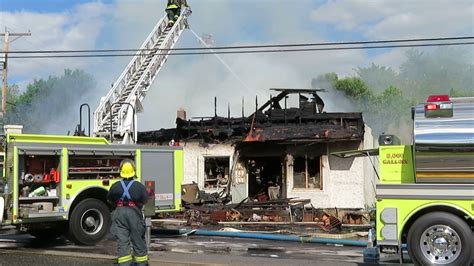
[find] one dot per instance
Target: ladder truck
(425, 193)
(116, 115)
(57, 185)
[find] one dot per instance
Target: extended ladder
(116, 114)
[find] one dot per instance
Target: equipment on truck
(425, 194)
(116, 115)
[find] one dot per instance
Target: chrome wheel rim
(440, 244)
(92, 221)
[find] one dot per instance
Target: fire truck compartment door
(158, 166)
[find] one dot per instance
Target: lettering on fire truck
(395, 158)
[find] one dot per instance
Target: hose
(301, 239)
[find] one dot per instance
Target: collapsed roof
(273, 121)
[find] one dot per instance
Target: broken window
(307, 172)
(216, 172)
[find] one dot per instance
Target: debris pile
(214, 210)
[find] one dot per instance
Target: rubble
(293, 215)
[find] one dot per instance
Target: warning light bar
(438, 98)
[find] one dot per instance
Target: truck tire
(89, 222)
(440, 238)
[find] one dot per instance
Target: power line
(458, 38)
(247, 51)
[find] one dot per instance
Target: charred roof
(273, 121)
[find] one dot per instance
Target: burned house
(276, 152)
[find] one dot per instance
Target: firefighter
(173, 9)
(128, 225)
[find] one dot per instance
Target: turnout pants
(128, 226)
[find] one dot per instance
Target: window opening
(216, 172)
(307, 172)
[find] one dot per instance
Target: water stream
(223, 62)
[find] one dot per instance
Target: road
(22, 249)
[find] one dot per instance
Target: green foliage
(354, 88)
(379, 110)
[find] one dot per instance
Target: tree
(47, 104)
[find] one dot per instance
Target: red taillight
(438, 98)
(431, 106)
(105, 182)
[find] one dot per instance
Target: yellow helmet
(127, 168)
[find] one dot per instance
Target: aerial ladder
(116, 115)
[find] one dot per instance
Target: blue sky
(83, 24)
(41, 5)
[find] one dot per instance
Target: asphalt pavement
(22, 249)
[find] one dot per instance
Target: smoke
(52, 105)
(390, 93)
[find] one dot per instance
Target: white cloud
(399, 19)
(74, 29)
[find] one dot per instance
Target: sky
(192, 82)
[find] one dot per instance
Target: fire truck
(58, 184)
(425, 193)
(54, 185)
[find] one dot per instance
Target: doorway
(265, 178)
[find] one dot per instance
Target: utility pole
(6, 44)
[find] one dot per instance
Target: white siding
(341, 188)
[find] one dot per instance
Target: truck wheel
(89, 222)
(440, 238)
